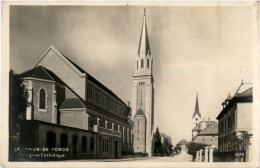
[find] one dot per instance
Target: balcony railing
(106, 131)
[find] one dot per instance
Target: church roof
(140, 112)
(72, 103)
(95, 81)
(144, 45)
(41, 72)
(196, 108)
(80, 71)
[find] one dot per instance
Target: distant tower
(196, 115)
(143, 96)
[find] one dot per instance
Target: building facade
(235, 126)
(207, 133)
(143, 96)
(69, 108)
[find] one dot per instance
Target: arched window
(137, 64)
(42, 99)
(142, 63)
(148, 63)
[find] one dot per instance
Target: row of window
(105, 101)
(141, 83)
(142, 63)
(227, 123)
(51, 141)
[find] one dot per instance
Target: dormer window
(42, 99)
(142, 63)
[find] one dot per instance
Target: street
(181, 157)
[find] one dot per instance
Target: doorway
(74, 146)
(116, 149)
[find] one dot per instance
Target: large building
(70, 109)
(235, 126)
(143, 96)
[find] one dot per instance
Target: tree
(194, 147)
(157, 142)
(18, 103)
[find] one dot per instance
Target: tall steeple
(196, 113)
(144, 59)
(144, 47)
(143, 96)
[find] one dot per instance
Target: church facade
(143, 96)
(71, 110)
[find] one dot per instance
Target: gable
(53, 60)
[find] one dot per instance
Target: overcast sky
(204, 50)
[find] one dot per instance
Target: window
(229, 123)
(42, 102)
(105, 145)
(105, 101)
(84, 143)
(92, 144)
(148, 63)
(137, 64)
(142, 63)
(90, 91)
(91, 123)
(233, 119)
(63, 140)
(50, 139)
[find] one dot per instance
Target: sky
(204, 50)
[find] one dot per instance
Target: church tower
(143, 95)
(196, 115)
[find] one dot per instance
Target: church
(71, 110)
(143, 96)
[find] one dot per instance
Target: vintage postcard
(130, 84)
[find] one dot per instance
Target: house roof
(245, 96)
(196, 128)
(212, 129)
(41, 72)
(183, 142)
(72, 103)
(139, 112)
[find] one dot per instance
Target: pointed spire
(144, 47)
(196, 108)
